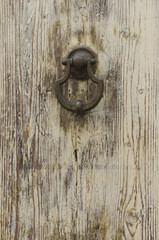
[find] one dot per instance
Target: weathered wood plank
(65, 176)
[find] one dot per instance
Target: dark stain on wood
(98, 228)
(80, 34)
(66, 119)
(112, 89)
(76, 155)
(68, 179)
(93, 34)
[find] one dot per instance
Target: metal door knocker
(79, 63)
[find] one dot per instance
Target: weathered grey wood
(65, 176)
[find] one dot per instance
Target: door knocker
(79, 63)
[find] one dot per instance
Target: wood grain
(64, 176)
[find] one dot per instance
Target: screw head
(78, 105)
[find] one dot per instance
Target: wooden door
(65, 176)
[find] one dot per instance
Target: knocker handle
(79, 64)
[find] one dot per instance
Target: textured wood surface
(70, 177)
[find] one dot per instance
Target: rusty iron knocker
(79, 64)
